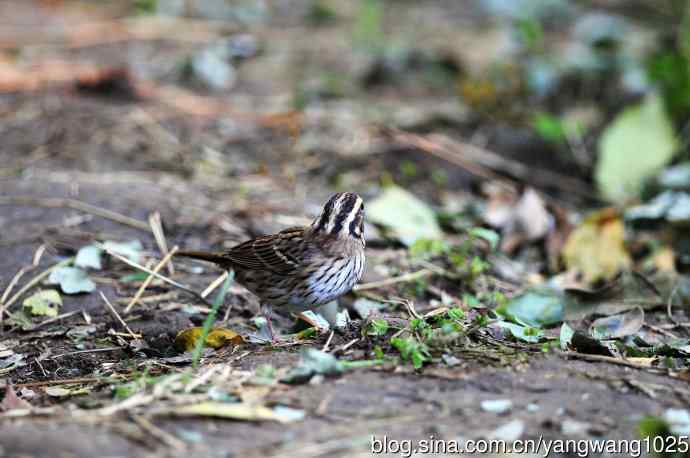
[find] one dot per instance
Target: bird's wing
(276, 253)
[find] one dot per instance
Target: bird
(300, 268)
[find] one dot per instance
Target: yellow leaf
(596, 248)
(216, 338)
(238, 411)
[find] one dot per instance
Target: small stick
(163, 436)
(58, 202)
(391, 281)
(159, 235)
(33, 282)
(79, 352)
(68, 381)
(603, 358)
(328, 342)
(149, 279)
(215, 284)
(36, 260)
(54, 319)
(155, 274)
(117, 316)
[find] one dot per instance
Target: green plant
(210, 319)
(411, 350)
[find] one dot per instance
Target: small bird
(301, 268)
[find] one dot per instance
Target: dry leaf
(235, 411)
(216, 338)
(596, 247)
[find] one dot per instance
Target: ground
(219, 173)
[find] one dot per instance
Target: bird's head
(342, 216)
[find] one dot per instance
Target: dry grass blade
(149, 279)
(117, 316)
(59, 202)
(215, 284)
(36, 260)
(163, 436)
(151, 272)
(33, 282)
(392, 281)
(157, 229)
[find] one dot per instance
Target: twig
(163, 436)
(33, 282)
(603, 358)
(159, 235)
(36, 260)
(215, 284)
(149, 279)
(328, 342)
(482, 162)
(54, 319)
(669, 304)
(68, 381)
(151, 272)
(117, 316)
(93, 350)
(59, 202)
(391, 281)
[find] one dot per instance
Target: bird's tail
(216, 258)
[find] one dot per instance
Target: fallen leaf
(89, 256)
(524, 333)
(365, 306)
(405, 216)
(185, 340)
(131, 250)
(596, 247)
(45, 302)
(537, 307)
(72, 280)
(672, 206)
(61, 391)
(314, 362)
(633, 148)
(315, 320)
(239, 411)
(617, 326)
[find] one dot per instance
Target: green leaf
(208, 322)
(524, 333)
(486, 234)
(89, 256)
(45, 302)
(404, 215)
(72, 280)
(633, 148)
(378, 327)
(537, 307)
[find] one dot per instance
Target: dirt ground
(234, 171)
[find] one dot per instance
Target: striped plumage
(300, 268)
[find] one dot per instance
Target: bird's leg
(269, 324)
